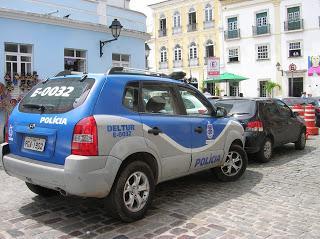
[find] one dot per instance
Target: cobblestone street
(280, 199)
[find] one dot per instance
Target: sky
(141, 6)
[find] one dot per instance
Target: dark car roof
(248, 98)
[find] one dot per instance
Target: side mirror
(295, 114)
(221, 112)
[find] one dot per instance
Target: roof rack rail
(134, 71)
(67, 72)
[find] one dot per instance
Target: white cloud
(142, 6)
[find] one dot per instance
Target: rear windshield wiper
(41, 108)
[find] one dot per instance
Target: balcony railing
(163, 65)
(194, 62)
(162, 32)
(177, 64)
(232, 34)
(192, 27)
(208, 24)
(293, 25)
(176, 30)
(261, 30)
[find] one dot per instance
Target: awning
(226, 77)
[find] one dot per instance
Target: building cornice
(171, 3)
(51, 20)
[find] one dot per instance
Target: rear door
(273, 122)
(41, 128)
(165, 131)
(206, 131)
(291, 125)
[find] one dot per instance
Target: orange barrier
(310, 119)
(300, 109)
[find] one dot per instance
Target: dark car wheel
(300, 144)
(266, 151)
(132, 192)
(234, 166)
(41, 191)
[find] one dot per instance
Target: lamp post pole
(115, 28)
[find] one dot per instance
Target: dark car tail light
(255, 126)
(317, 109)
(85, 137)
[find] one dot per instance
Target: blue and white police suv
(116, 136)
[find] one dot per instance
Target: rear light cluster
(255, 126)
(85, 138)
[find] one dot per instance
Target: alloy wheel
(233, 164)
(136, 191)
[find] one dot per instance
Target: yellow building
(185, 34)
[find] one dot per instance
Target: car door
(165, 131)
(272, 121)
(207, 146)
(289, 122)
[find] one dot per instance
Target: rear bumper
(254, 141)
(81, 175)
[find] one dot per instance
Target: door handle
(198, 130)
(154, 131)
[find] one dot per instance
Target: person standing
(206, 92)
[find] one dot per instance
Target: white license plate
(35, 144)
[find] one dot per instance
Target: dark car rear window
(241, 107)
(56, 96)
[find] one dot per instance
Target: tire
(266, 151)
(138, 201)
(300, 144)
(228, 172)
(41, 191)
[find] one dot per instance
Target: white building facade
(262, 38)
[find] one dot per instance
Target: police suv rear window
(56, 96)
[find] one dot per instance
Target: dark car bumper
(254, 141)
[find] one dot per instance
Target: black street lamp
(115, 28)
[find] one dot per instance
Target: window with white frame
(18, 58)
(293, 13)
(120, 60)
(233, 54)
(262, 19)
(208, 13)
(232, 23)
(75, 60)
(209, 49)
(193, 51)
(176, 20)
(295, 49)
(263, 52)
(163, 54)
(177, 53)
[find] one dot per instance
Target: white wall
(310, 12)
(266, 70)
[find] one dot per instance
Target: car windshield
(237, 107)
(56, 96)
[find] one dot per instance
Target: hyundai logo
(32, 126)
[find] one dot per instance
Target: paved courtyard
(280, 199)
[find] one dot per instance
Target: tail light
(255, 126)
(85, 137)
(317, 110)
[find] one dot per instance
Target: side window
(158, 99)
(193, 103)
(269, 110)
(130, 98)
(283, 109)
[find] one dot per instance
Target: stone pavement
(280, 199)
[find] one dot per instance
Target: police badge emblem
(210, 131)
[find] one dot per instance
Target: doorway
(295, 86)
